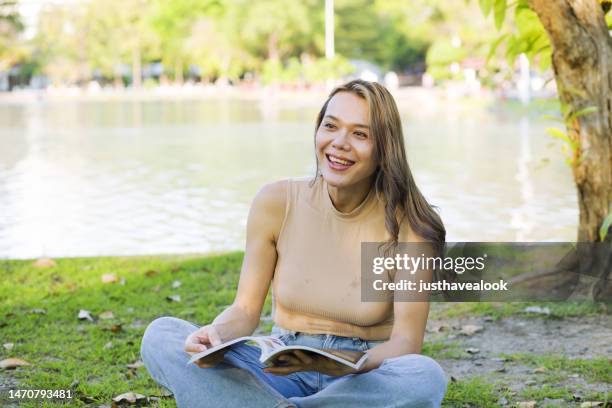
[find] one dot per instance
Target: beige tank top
(317, 280)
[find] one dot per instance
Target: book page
(351, 358)
(268, 344)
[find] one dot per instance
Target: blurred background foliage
(284, 40)
(120, 41)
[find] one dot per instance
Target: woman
(304, 238)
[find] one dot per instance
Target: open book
(272, 348)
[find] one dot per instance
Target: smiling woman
(304, 238)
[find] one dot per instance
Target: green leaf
(485, 6)
(582, 112)
(559, 134)
(512, 49)
(499, 12)
(496, 44)
(545, 59)
(555, 118)
(605, 225)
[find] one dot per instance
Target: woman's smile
(338, 163)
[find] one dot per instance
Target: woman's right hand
(202, 339)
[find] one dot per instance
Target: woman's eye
(329, 126)
(361, 134)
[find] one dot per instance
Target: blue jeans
(411, 380)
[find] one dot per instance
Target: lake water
(178, 176)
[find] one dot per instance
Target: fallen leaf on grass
(537, 309)
(176, 284)
(526, 404)
(151, 272)
(137, 324)
(502, 401)
(110, 278)
(130, 397)
(116, 328)
(173, 298)
(106, 315)
(472, 350)
(470, 329)
(85, 315)
(8, 346)
(13, 363)
(108, 345)
(135, 365)
(540, 370)
(589, 404)
(38, 311)
(44, 263)
(165, 392)
(437, 328)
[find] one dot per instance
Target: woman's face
(344, 142)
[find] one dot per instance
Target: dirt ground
(480, 353)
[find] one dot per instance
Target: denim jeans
(411, 380)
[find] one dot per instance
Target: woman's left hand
(301, 361)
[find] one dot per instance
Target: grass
(595, 369)
(474, 392)
(68, 353)
(500, 309)
(57, 343)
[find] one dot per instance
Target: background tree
(173, 23)
(579, 45)
(10, 27)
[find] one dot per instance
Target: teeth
(339, 161)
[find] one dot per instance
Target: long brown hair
(393, 178)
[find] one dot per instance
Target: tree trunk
(273, 52)
(136, 69)
(582, 63)
(178, 71)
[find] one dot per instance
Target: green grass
(595, 369)
(443, 349)
(57, 343)
(65, 350)
(504, 309)
(474, 392)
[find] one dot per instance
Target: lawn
(39, 309)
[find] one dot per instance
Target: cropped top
(317, 280)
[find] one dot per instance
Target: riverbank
(421, 102)
(494, 354)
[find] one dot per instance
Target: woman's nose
(341, 140)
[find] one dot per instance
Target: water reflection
(130, 177)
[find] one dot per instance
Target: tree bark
(136, 68)
(178, 71)
(582, 63)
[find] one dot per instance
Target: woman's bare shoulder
(273, 195)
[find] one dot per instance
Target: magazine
(272, 348)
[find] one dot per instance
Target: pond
(129, 177)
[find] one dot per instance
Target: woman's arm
(263, 226)
(409, 318)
